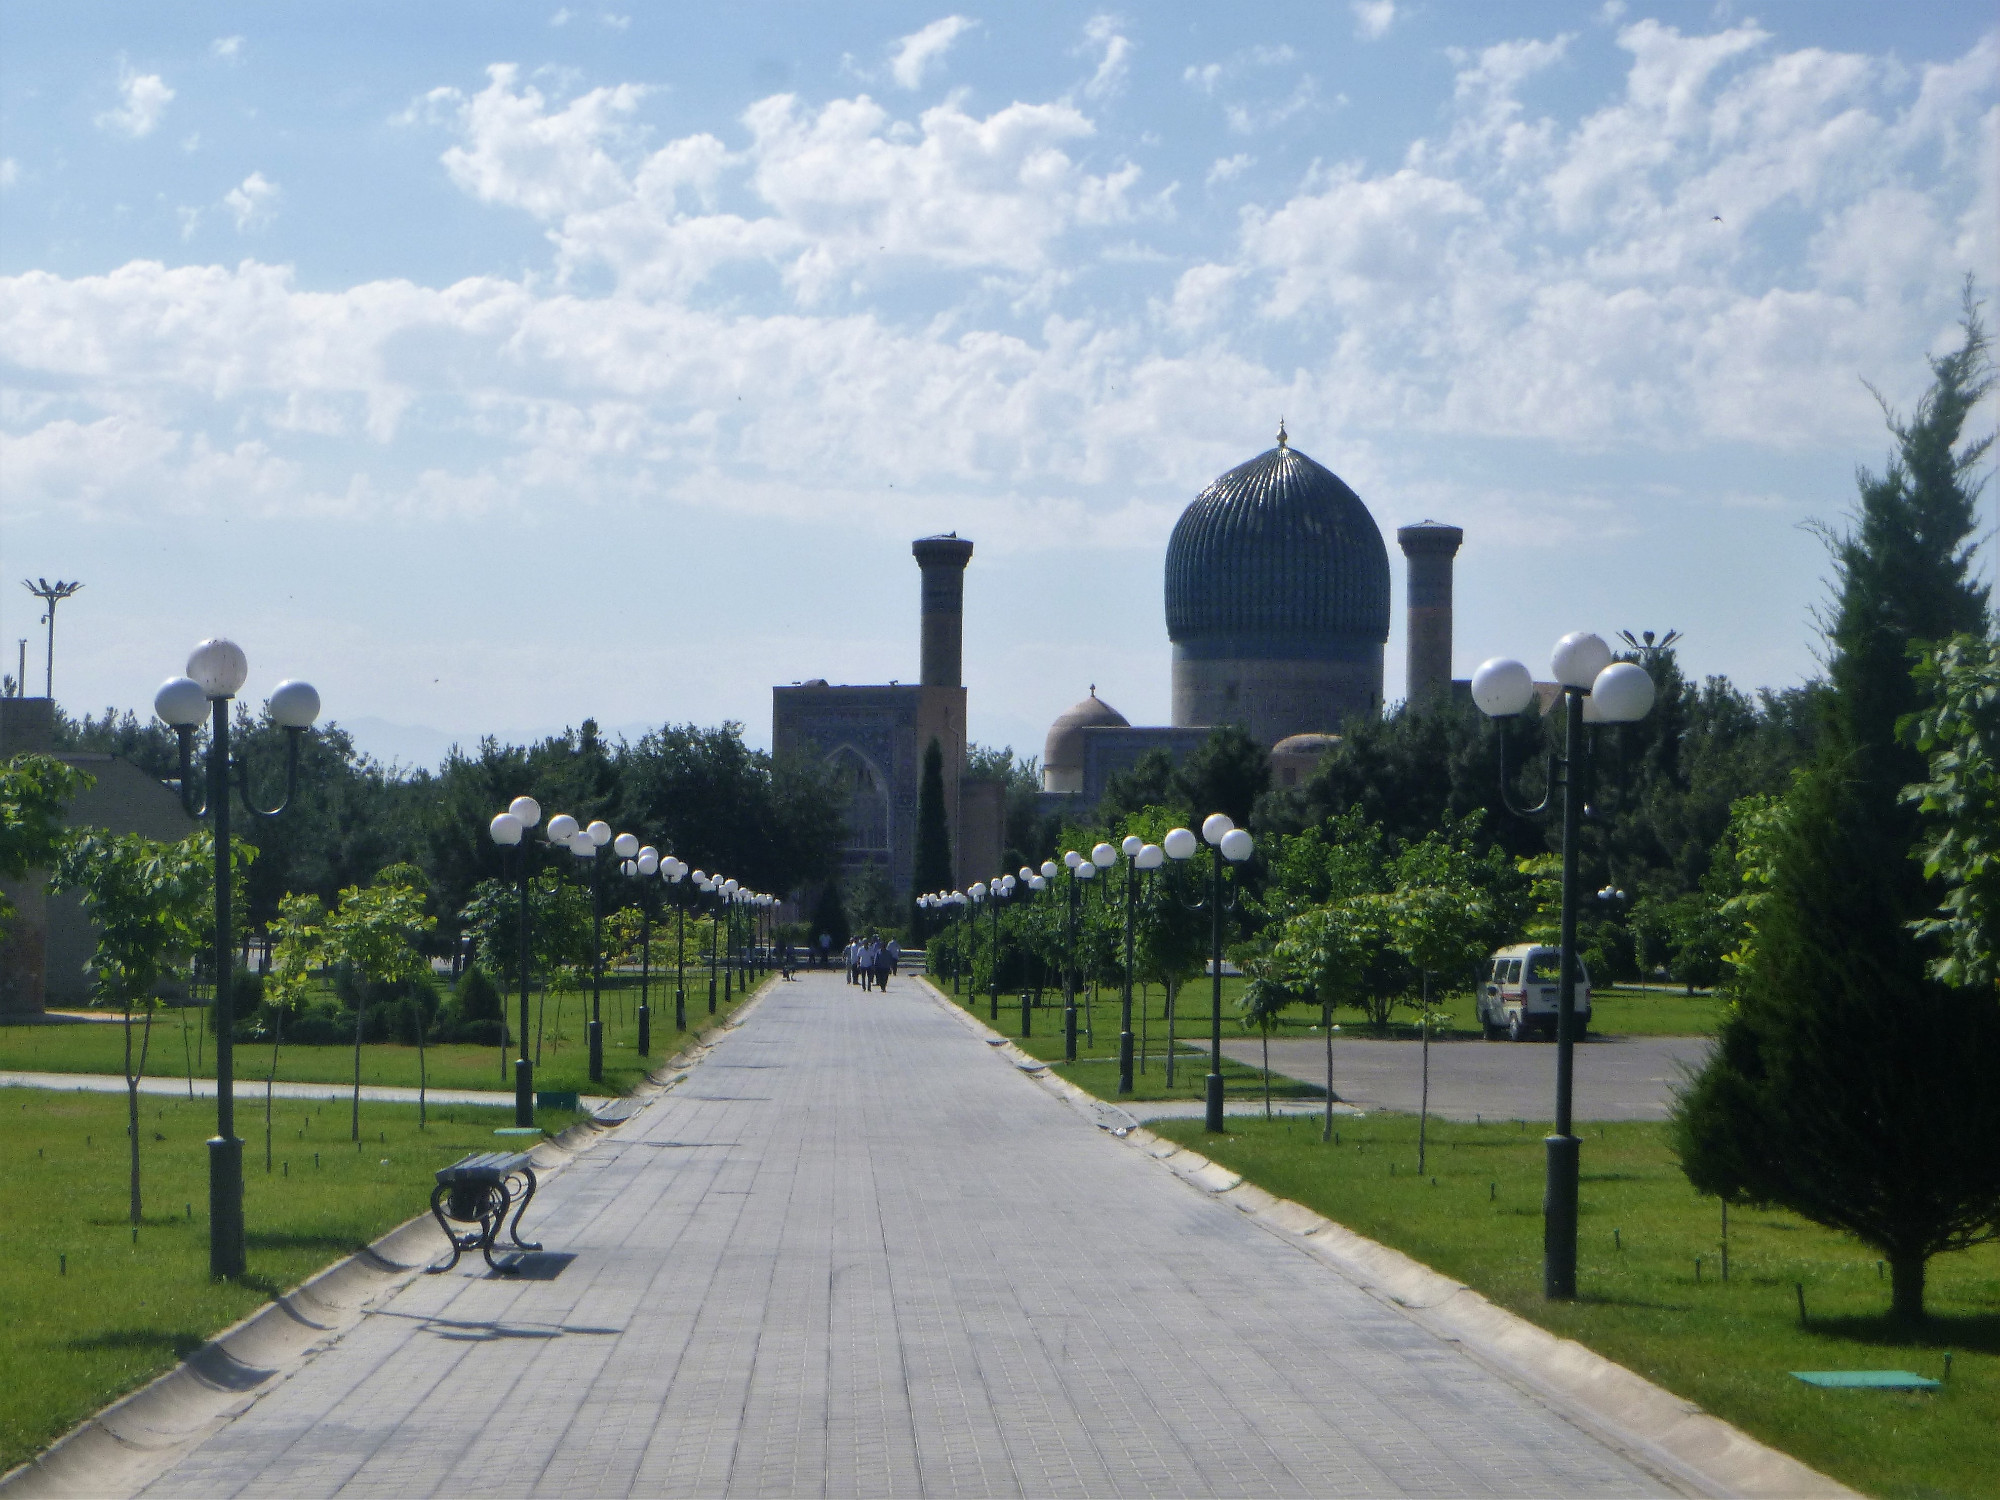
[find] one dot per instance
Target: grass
(180, 1036)
(1727, 1346)
(1619, 1010)
(87, 1312)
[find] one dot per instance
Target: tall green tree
(1959, 730)
(1848, 1084)
(35, 792)
(151, 904)
(932, 870)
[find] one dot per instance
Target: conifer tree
(932, 870)
(1849, 1085)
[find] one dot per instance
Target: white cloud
(253, 203)
(144, 97)
(849, 186)
(615, 22)
(189, 220)
(1373, 18)
(561, 17)
(1248, 120)
(10, 171)
(1114, 51)
(226, 49)
(1227, 168)
(1204, 77)
(914, 54)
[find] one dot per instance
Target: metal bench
(479, 1189)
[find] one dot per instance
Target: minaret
(1430, 547)
(943, 560)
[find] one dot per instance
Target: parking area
(1617, 1078)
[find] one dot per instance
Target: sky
(493, 366)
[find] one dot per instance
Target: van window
(1513, 971)
(1546, 968)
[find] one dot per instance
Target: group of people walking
(871, 960)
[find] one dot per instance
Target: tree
(932, 871)
(374, 932)
(829, 920)
(151, 903)
(1264, 999)
(1227, 772)
(1959, 729)
(296, 952)
(35, 792)
(1848, 1084)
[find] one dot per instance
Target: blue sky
(493, 365)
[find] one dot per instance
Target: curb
(1666, 1433)
(138, 1437)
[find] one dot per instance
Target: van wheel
(1517, 1027)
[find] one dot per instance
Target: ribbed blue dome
(1277, 558)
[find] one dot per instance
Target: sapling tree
(297, 948)
(35, 791)
(374, 932)
(151, 903)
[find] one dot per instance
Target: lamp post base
(1027, 1018)
(711, 997)
(1559, 1217)
(1069, 1032)
(225, 1207)
(596, 1033)
(1212, 1121)
(993, 1006)
(524, 1093)
(645, 1031)
(1124, 1062)
(680, 1010)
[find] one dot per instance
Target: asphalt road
(858, 1253)
(1617, 1078)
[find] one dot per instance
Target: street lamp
(215, 672)
(708, 885)
(1234, 845)
(510, 828)
(1613, 693)
(642, 863)
(584, 844)
(1139, 856)
(1000, 890)
(728, 889)
(674, 871)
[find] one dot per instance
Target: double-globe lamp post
(1233, 845)
(1596, 690)
(215, 672)
(641, 863)
(1140, 857)
(509, 830)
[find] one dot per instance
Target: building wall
(1276, 698)
(884, 728)
(982, 837)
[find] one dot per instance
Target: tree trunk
(1424, 1115)
(1173, 991)
(132, 1110)
(359, 1011)
(1906, 1288)
(1267, 1069)
(1326, 1025)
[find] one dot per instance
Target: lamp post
(1000, 890)
(641, 863)
(1139, 856)
(215, 672)
(584, 845)
(728, 890)
(707, 885)
(674, 871)
(1595, 690)
(1075, 862)
(1234, 845)
(511, 828)
(1103, 856)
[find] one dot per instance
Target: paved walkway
(856, 1253)
(252, 1090)
(1617, 1078)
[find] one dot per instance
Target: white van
(1518, 999)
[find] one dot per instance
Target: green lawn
(87, 1312)
(1475, 1215)
(1619, 1010)
(181, 1045)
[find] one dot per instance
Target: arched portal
(864, 792)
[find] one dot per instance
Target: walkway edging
(1669, 1432)
(128, 1444)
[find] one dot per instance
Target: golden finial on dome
(1283, 441)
